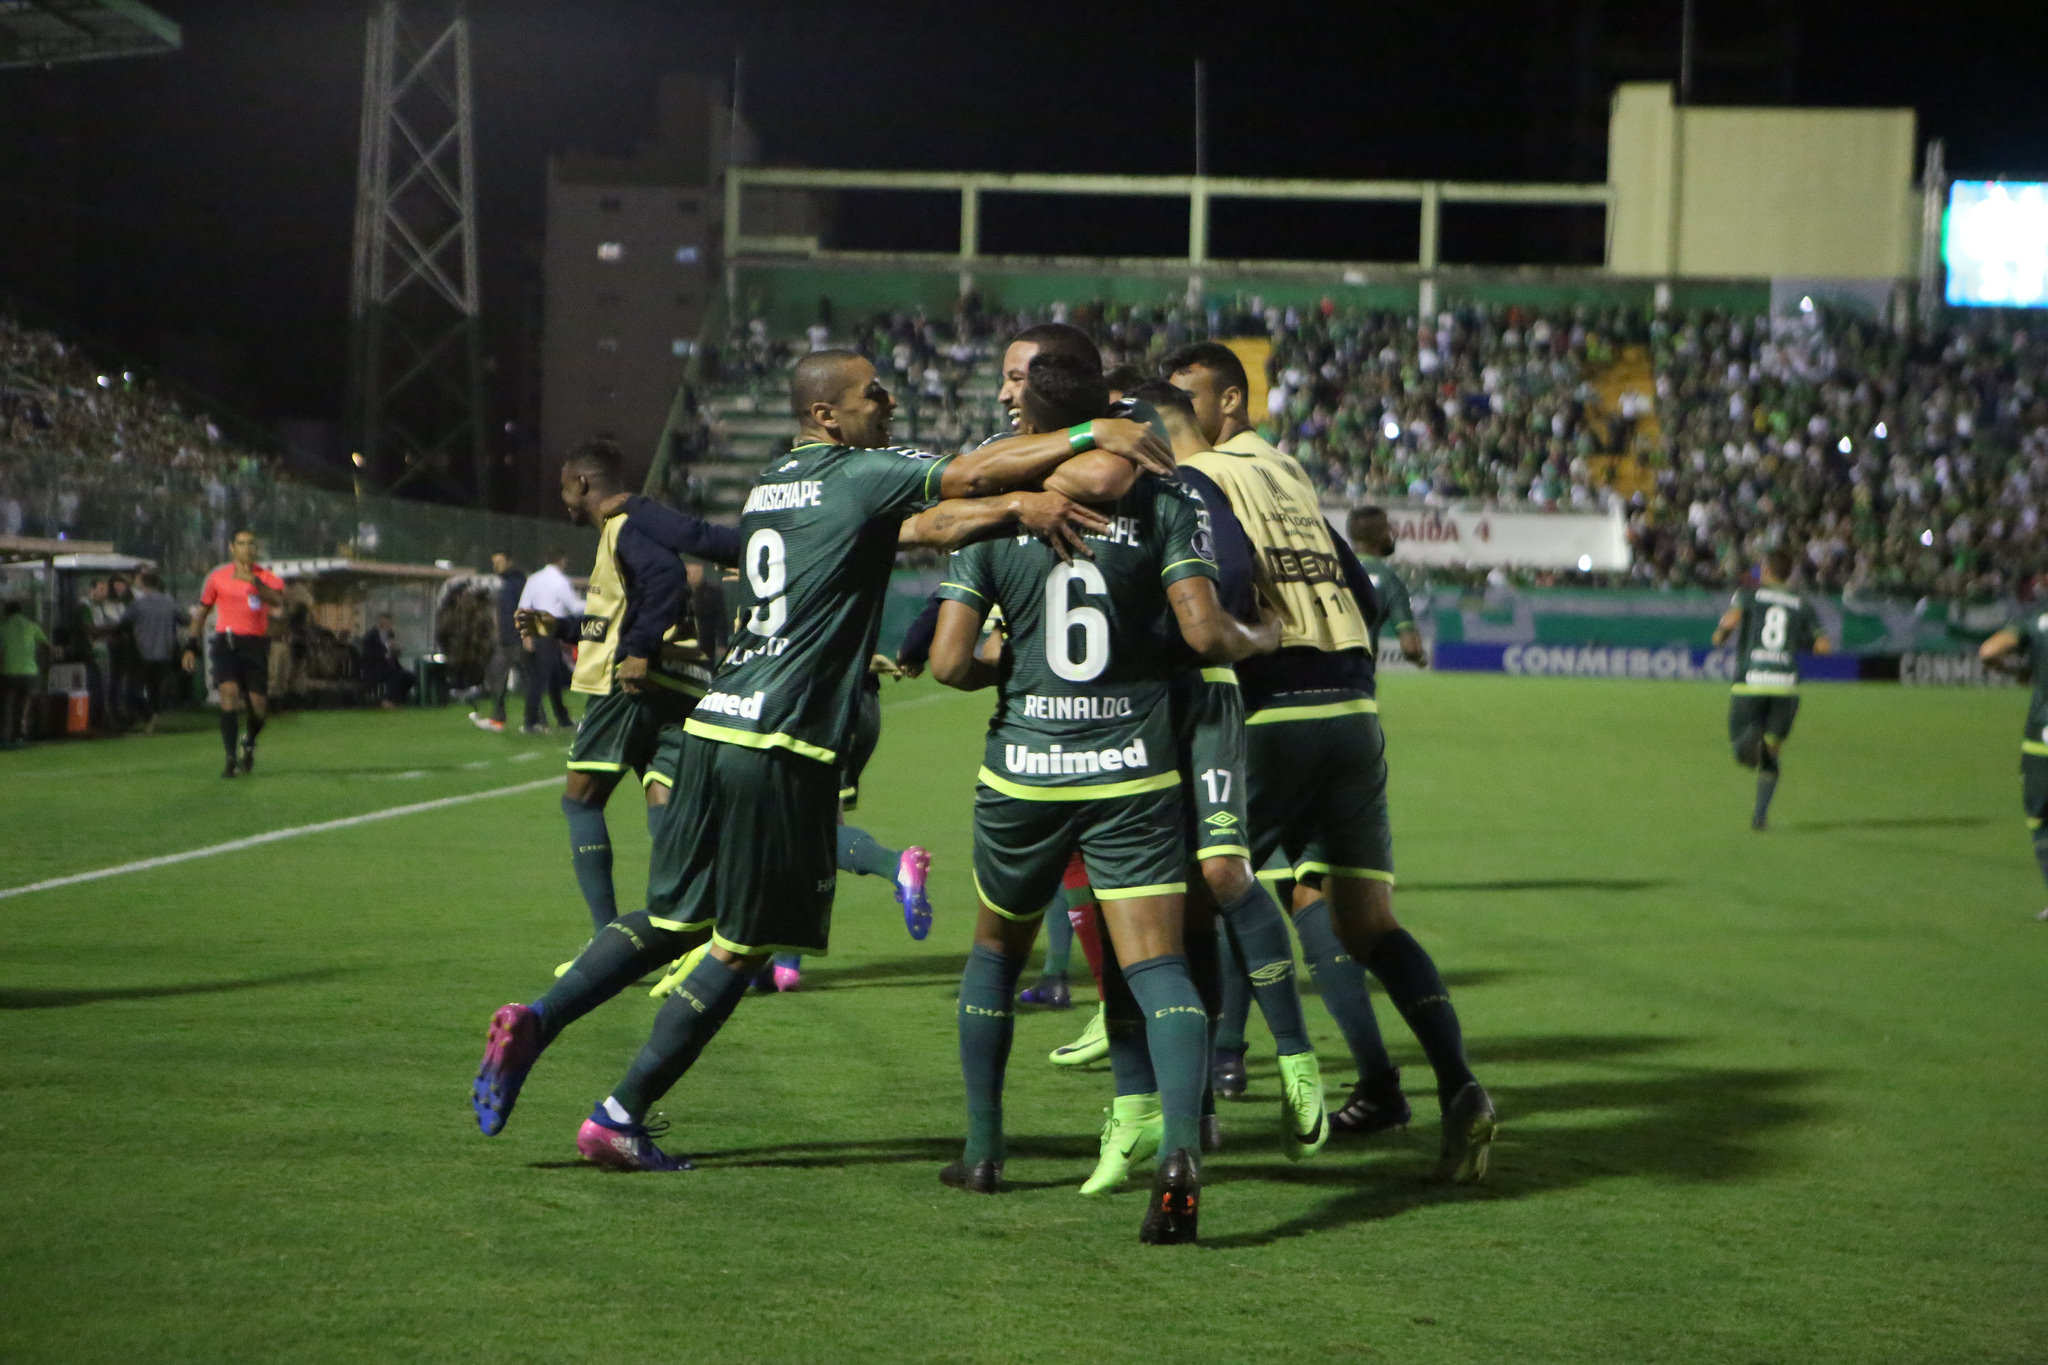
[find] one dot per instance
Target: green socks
(859, 852)
(1259, 937)
(1418, 992)
(1059, 937)
(590, 853)
(1237, 995)
(1766, 785)
(988, 988)
(1177, 1036)
(621, 953)
(1345, 993)
(689, 1018)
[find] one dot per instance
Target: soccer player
(1081, 754)
(637, 660)
(1772, 626)
(1372, 540)
(2024, 641)
(1317, 759)
(243, 593)
(745, 850)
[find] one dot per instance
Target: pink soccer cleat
(911, 870)
(787, 978)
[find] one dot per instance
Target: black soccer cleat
(983, 1177)
(248, 758)
(1374, 1108)
(230, 770)
(1227, 1073)
(1469, 1127)
(1176, 1203)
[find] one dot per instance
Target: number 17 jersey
(1083, 714)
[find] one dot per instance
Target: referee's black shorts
(243, 660)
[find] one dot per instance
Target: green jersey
(1395, 613)
(2033, 632)
(1778, 625)
(820, 539)
(1083, 714)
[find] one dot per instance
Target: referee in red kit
(243, 592)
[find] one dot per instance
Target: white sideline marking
(254, 840)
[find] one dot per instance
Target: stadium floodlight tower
(416, 373)
(46, 32)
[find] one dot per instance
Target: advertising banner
(1535, 540)
(1601, 661)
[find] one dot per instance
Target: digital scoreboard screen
(1994, 241)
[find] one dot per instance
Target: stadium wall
(787, 295)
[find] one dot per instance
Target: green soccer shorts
(747, 848)
(1133, 845)
(1766, 714)
(1318, 799)
(622, 730)
(1208, 727)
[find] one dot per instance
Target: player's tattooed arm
(957, 660)
(1026, 461)
(1096, 476)
(1052, 517)
(1214, 634)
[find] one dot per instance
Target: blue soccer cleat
(625, 1146)
(510, 1049)
(911, 871)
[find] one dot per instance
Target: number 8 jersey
(1084, 708)
(1778, 625)
(819, 532)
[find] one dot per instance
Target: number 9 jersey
(1083, 712)
(819, 533)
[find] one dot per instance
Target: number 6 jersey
(1083, 713)
(819, 539)
(1778, 625)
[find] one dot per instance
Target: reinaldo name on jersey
(1022, 759)
(1037, 706)
(783, 497)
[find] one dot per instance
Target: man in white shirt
(549, 593)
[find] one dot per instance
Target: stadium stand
(1893, 467)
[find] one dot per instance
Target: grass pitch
(1766, 1098)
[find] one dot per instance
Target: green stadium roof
(45, 32)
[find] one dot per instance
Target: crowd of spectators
(102, 454)
(1891, 464)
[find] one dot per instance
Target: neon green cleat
(1132, 1134)
(1301, 1105)
(681, 968)
(1091, 1046)
(563, 970)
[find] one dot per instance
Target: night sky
(203, 200)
